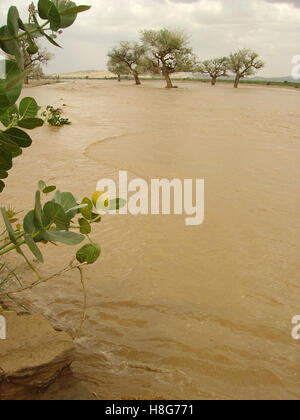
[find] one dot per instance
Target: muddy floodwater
(174, 311)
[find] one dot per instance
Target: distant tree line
(163, 52)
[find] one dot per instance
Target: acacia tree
(244, 63)
(130, 54)
(216, 67)
(167, 52)
(119, 69)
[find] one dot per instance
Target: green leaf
(3, 174)
(17, 79)
(49, 189)
(85, 227)
(68, 238)
(28, 223)
(88, 253)
(38, 209)
(21, 24)
(117, 204)
(5, 160)
(55, 19)
(43, 8)
(87, 211)
(2, 186)
(41, 32)
(96, 216)
(8, 143)
(13, 21)
(56, 214)
(51, 40)
(76, 208)
(74, 10)
(8, 97)
(44, 189)
(68, 203)
(31, 123)
(48, 11)
(28, 108)
(57, 197)
(42, 185)
(11, 47)
(9, 227)
(19, 137)
(16, 154)
(110, 205)
(8, 116)
(69, 19)
(33, 248)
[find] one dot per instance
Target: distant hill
(84, 74)
(275, 79)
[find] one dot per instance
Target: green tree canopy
(244, 63)
(168, 52)
(120, 69)
(215, 68)
(130, 54)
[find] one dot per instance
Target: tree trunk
(236, 82)
(119, 78)
(26, 80)
(214, 81)
(137, 79)
(168, 79)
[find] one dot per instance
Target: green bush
(53, 117)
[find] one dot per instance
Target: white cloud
(216, 27)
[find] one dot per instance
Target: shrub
(53, 117)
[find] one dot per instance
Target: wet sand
(173, 311)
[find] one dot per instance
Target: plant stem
(32, 31)
(84, 302)
(12, 248)
(36, 283)
(31, 267)
(10, 242)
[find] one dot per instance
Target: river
(175, 311)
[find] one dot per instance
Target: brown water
(177, 311)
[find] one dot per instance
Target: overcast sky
(216, 27)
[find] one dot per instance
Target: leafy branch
(53, 16)
(54, 222)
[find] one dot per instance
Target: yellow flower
(96, 196)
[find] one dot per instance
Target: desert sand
(173, 311)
